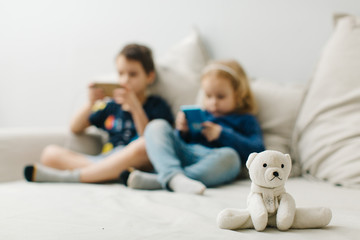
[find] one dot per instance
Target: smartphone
(107, 87)
(194, 116)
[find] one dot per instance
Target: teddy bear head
(269, 168)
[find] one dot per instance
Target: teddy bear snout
(274, 176)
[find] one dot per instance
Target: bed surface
(112, 211)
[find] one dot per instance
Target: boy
(124, 118)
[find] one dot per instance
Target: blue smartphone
(194, 116)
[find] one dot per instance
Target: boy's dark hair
(139, 53)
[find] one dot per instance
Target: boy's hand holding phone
(106, 88)
(99, 90)
(95, 93)
(121, 94)
(127, 98)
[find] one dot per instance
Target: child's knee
(230, 158)
(50, 155)
(225, 167)
(138, 146)
(230, 163)
(157, 126)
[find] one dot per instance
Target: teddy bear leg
(286, 212)
(311, 217)
(231, 218)
(258, 212)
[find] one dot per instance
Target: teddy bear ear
(288, 157)
(250, 159)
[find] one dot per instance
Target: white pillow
(179, 71)
(327, 132)
(278, 108)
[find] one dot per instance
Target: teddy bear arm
(258, 212)
(286, 212)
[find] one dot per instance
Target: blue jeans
(170, 155)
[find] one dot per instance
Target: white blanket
(112, 211)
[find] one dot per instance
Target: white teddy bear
(268, 202)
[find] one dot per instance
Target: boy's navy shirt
(110, 117)
(241, 132)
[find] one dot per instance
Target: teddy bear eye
(264, 165)
(282, 166)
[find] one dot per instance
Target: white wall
(50, 50)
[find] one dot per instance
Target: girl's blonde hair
(232, 70)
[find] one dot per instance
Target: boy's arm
(81, 119)
(128, 100)
(140, 118)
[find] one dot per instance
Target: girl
(124, 118)
(230, 133)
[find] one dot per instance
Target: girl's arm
(244, 136)
(231, 138)
(181, 126)
(243, 144)
(181, 122)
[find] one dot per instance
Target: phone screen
(108, 88)
(194, 116)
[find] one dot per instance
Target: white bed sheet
(112, 211)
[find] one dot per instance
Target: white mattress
(112, 211)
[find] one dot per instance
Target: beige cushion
(179, 70)
(278, 108)
(23, 146)
(327, 133)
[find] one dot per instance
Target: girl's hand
(95, 93)
(211, 131)
(126, 97)
(181, 122)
